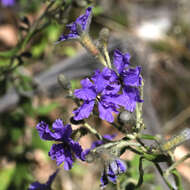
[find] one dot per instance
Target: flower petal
(84, 111)
(77, 149)
(121, 166)
(86, 83)
(111, 175)
(85, 94)
(104, 180)
(105, 113)
(132, 77)
(99, 81)
(109, 137)
(61, 132)
(120, 61)
(37, 186)
(83, 21)
(8, 3)
(111, 89)
(61, 153)
(51, 178)
(44, 131)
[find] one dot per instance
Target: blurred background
(157, 35)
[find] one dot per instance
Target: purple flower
(128, 99)
(80, 25)
(47, 186)
(110, 90)
(129, 76)
(121, 61)
(111, 172)
(98, 90)
(64, 151)
(130, 79)
(7, 3)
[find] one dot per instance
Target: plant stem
(139, 120)
(86, 41)
(173, 166)
(163, 176)
(93, 131)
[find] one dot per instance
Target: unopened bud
(64, 82)
(104, 35)
(127, 118)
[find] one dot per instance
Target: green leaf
(148, 137)
(6, 175)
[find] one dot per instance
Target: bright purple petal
(8, 3)
(83, 21)
(61, 153)
(132, 77)
(111, 89)
(109, 75)
(99, 81)
(120, 61)
(44, 131)
(132, 96)
(77, 149)
(121, 166)
(104, 79)
(85, 94)
(127, 99)
(61, 132)
(84, 111)
(86, 83)
(105, 112)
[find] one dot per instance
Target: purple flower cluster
(110, 89)
(80, 25)
(47, 186)
(7, 3)
(64, 151)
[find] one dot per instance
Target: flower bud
(126, 118)
(104, 35)
(64, 82)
